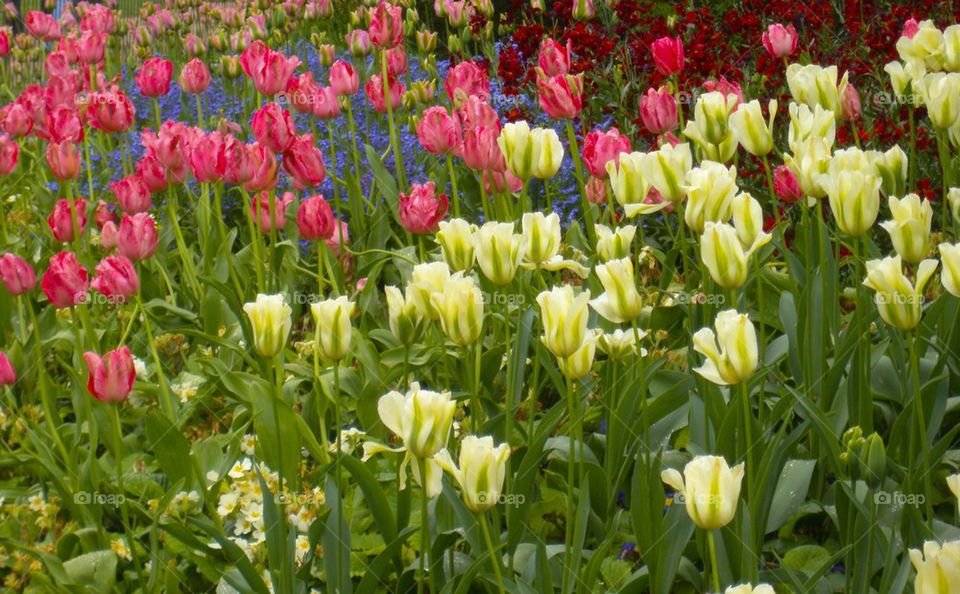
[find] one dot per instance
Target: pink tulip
(386, 26)
(358, 42)
(4, 44)
(63, 158)
(341, 234)
(111, 111)
(668, 55)
(98, 18)
(273, 127)
(170, 146)
(90, 47)
(153, 173)
(42, 25)
(780, 41)
(207, 158)
(554, 59)
(596, 189)
(477, 112)
(910, 28)
(111, 376)
(7, 374)
(61, 219)
(786, 185)
(238, 161)
(195, 46)
(396, 61)
(374, 89)
(325, 104)
(63, 124)
(137, 237)
(315, 219)
(57, 64)
(269, 70)
(264, 172)
(438, 131)
(18, 121)
(466, 79)
(65, 281)
(300, 92)
(102, 214)
(343, 79)
(658, 111)
(261, 209)
(495, 182)
(561, 96)
(480, 149)
(133, 194)
(850, 104)
(724, 86)
(17, 274)
(421, 210)
(304, 163)
(195, 77)
(116, 279)
(9, 155)
(61, 91)
(601, 147)
(153, 79)
(326, 52)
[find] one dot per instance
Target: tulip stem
(744, 394)
(914, 345)
(394, 140)
(453, 185)
(571, 460)
(424, 525)
(121, 501)
(254, 243)
(165, 400)
(86, 156)
(713, 561)
(578, 167)
(911, 161)
(48, 408)
(494, 558)
(771, 188)
(946, 176)
(483, 201)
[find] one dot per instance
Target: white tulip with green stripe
(629, 183)
(752, 131)
(404, 315)
(724, 256)
(899, 300)
(710, 189)
(710, 490)
(480, 473)
(333, 327)
(731, 353)
(427, 279)
(666, 169)
(910, 227)
(460, 305)
(270, 321)
(614, 243)
(620, 301)
(564, 315)
(458, 241)
(499, 251)
(710, 128)
(541, 236)
(815, 85)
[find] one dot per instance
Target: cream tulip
(460, 305)
(809, 162)
(815, 85)
(732, 353)
(578, 365)
(565, 317)
(457, 239)
(480, 473)
(630, 186)
(710, 128)
(427, 279)
(899, 78)
(748, 221)
(925, 46)
(421, 418)
(899, 301)
(614, 243)
(750, 589)
(620, 301)
(621, 344)
(499, 251)
(951, 48)
(709, 488)
(854, 199)
(404, 316)
(519, 148)
(891, 166)
(940, 93)
(910, 227)
(549, 153)
(541, 236)
(807, 122)
(710, 189)
(270, 321)
(950, 277)
(752, 131)
(666, 170)
(724, 256)
(334, 331)
(938, 568)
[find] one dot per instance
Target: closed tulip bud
(315, 219)
(731, 353)
(950, 256)
(16, 274)
(499, 251)
(578, 365)
(453, 44)
(940, 93)
(9, 155)
(421, 418)
(809, 163)
(620, 301)
(814, 85)
(786, 185)
(806, 123)
(583, 10)
(404, 316)
(873, 460)
(780, 41)
(326, 53)
(460, 306)
(343, 79)
(565, 317)
(749, 588)
(116, 279)
(8, 374)
(951, 48)
(230, 67)
(614, 244)
(621, 344)
(112, 375)
(332, 318)
(891, 166)
(137, 236)
(910, 227)
(68, 220)
(668, 55)
(748, 220)
(560, 96)
(270, 322)
(358, 42)
(750, 129)
(480, 473)
(710, 127)
(554, 58)
(850, 104)
(457, 239)
(938, 567)
(426, 41)
(541, 236)
(899, 78)
(549, 153)
(724, 256)
(854, 200)
(900, 301)
(426, 280)
(600, 148)
(629, 183)
(710, 490)
(195, 77)
(710, 190)
(63, 158)
(596, 190)
(439, 132)
(153, 78)
(658, 110)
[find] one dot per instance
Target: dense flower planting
(475, 296)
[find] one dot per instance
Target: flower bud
(541, 236)
(426, 280)
(404, 316)
(334, 331)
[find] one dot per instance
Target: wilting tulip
(404, 317)
(467, 79)
(374, 90)
(600, 148)
(850, 104)
(315, 219)
(732, 353)
(386, 26)
(137, 236)
(112, 375)
(269, 70)
(343, 79)
(153, 78)
(9, 155)
(459, 305)
(561, 96)
(421, 210)
(751, 130)
(499, 251)
(780, 41)
(710, 128)
(668, 55)
(541, 236)
(8, 375)
(899, 301)
(195, 77)
(725, 257)
(438, 131)
(910, 227)
(111, 111)
(814, 85)
(949, 255)
(303, 161)
(132, 194)
(332, 318)
(273, 127)
(116, 279)
(425, 280)
(564, 317)
(65, 281)
(270, 215)
(481, 471)
(620, 302)
(938, 567)
(270, 322)
(554, 59)
(68, 220)
(710, 490)
(658, 110)
(16, 274)
(63, 158)
(614, 244)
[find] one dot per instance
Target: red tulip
(343, 78)
(111, 111)
(90, 47)
(116, 279)
(466, 79)
(273, 127)
(18, 121)
(480, 149)
(386, 26)
(195, 77)
(61, 219)
(421, 210)
(786, 185)
(374, 89)
(668, 55)
(7, 374)
(111, 376)
(658, 111)
(780, 41)
(133, 194)
(438, 131)
(17, 274)
(153, 79)
(63, 158)
(263, 169)
(599, 148)
(261, 209)
(269, 70)
(65, 281)
(554, 58)
(561, 96)
(315, 219)
(42, 25)
(137, 237)
(325, 104)
(170, 147)
(207, 157)
(9, 155)
(304, 163)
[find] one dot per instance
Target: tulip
(565, 317)
(481, 150)
(65, 281)
(339, 239)
(170, 147)
(779, 41)
(457, 239)
(599, 148)
(501, 181)
(910, 227)
(304, 162)
(315, 219)
(404, 317)
(481, 472)
(438, 131)
(630, 186)
(923, 43)
(476, 112)
(137, 237)
(62, 124)
(949, 255)
(726, 88)
(596, 190)
(710, 190)
(195, 77)
(332, 319)
(850, 104)
(891, 166)
(421, 210)
(938, 567)
(940, 93)
(153, 78)
(358, 42)
(499, 251)
(460, 307)
(951, 48)
(426, 42)
(541, 236)
(396, 61)
(725, 256)
(374, 90)
(8, 374)
(386, 26)
(710, 129)
(4, 44)
(112, 375)
(270, 323)
(854, 200)
(554, 59)
(620, 301)
(668, 55)
(63, 158)
(731, 353)
(9, 155)
(953, 483)
(68, 220)
(109, 235)
(750, 129)
(710, 490)
(748, 221)
(111, 112)
(809, 163)
(561, 96)
(132, 194)
(900, 302)
(273, 127)
(208, 157)
(343, 79)
(583, 10)
(549, 152)
(614, 244)
(658, 110)
(620, 344)
(519, 149)
(427, 279)
(116, 279)
(270, 215)
(326, 51)
(42, 25)
(814, 85)
(666, 170)
(16, 274)
(899, 78)
(786, 186)
(464, 80)
(578, 365)
(269, 70)
(18, 121)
